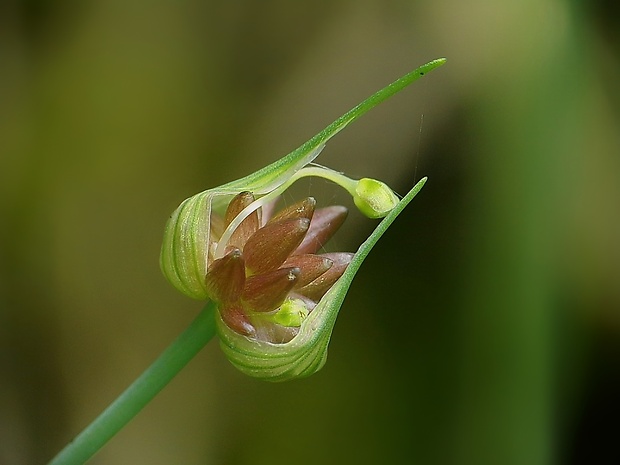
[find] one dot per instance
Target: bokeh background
(483, 329)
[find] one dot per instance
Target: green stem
(141, 391)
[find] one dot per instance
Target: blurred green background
(483, 329)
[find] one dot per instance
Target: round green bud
(374, 198)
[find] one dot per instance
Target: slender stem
(141, 391)
(334, 176)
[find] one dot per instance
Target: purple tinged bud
(301, 209)
(267, 249)
(248, 226)
(317, 288)
(310, 266)
(238, 203)
(226, 277)
(266, 292)
(325, 222)
(237, 320)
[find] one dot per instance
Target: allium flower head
(277, 294)
(271, 277)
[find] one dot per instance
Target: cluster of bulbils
(276, 294)
(271, 275)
